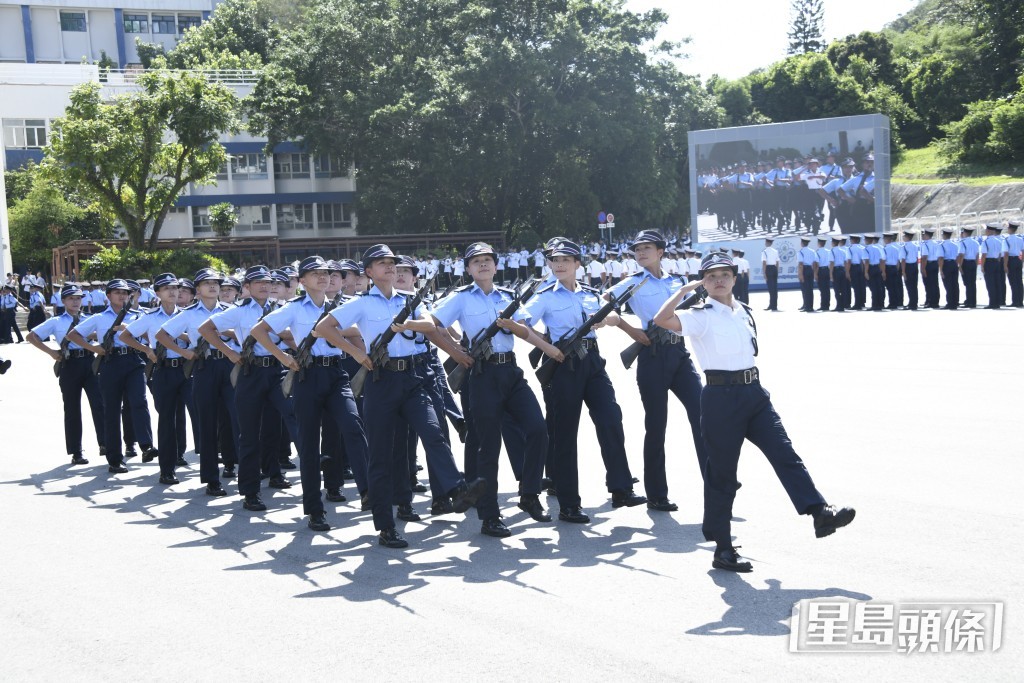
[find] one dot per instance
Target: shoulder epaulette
(135, 311)
(507, 290)
(404, 292)
(153, 310)
(464, 288)
(745, 306)
(547, 287)
(190, 306)
(223, 305)
(244, 302)
(300, 297)
(588, 288)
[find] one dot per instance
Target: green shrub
(133, 263)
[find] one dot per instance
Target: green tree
(806, 22)
(223, 218)
(46, 218)
(874, 49)
(806, 87)
(734, 98)
(18, 182)
(941, 88)
(133, 155)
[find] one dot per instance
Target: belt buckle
(401, 365)
(749, 376)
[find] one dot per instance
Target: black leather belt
(78, 353)
(172, 362)
(718, 378)
(215, 354)
(502, 358)
(121, 351)
(326, 361)
(403, 363)
(264, 362)
(589, 344)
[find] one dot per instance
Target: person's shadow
(761, 611)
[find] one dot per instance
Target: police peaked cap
(377, 252)
(349, 265)
(185, 283)
(550, 244)
(231, 282)
(717, 260)
(480, 249)
(279, 275)
(994, 226)
(311, 263)
(290, 271)
(165, 279)
(67, 290)
(257, 274)
(204, 274)
(403, 261)
(649, 237)
(119, 284)
(134, 286)
(567, 248)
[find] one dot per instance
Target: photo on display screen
(826, 176)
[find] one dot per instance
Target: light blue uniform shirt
(189, 319)
(300, 315)
(839, 256)
(950, 250)
(874, 254)
(103, 321)
(242, 319)
(851, 186)
(892, 254)
(36, 299)
(97, 298)
(647, 302)
(1014, 245)
(149, 324)
(930, 251)
(993, 246)
(909, 252)
(970, 248)
(563, 311)
(831, 186)
(475, 311)
(858, 252)
(372, 313)
(8, 301)
(56, 327)
(824, 257)
(807, 256)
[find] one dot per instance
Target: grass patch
(926, 167)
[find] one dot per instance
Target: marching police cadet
(8, 311)
(909, 255)
(323, 386)
(121, 377)
(893, 281)
(744, 275)
(858, 281)
(186, 292)
(55, 301)
(874, 272)
(1014, 256)
(993, 264)
(807, 262)
(75, 372)
(969, 266)
(398, 388)
(496, 387)
(735, 407)
(770, 269)
(36, 306)
(823, 264)
(562, 306)
(167, 383)
(97, 298)
(930, 254)
(950, 257)
(663, 365)
(841, 273)
(230, 288)
(147, 296)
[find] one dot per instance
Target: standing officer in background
(893, 281)
(822, 273)
(993, 263)
(75, 373)
(8, 312)
(969, 266)
(858, 281)
(807, 261)
(1014, 254)
(874, 272)
(930, 254)
(909, 254)
(950, 257)
(735, 407)
(770, 268)
(841, 274)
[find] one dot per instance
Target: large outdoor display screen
(827, 176)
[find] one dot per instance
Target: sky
(734, 37)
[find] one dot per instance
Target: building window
(294, 216)
(327, 166)
(163, 23)
(201, 220)
(253, 218)
(222, 172)
(24, 133)
(136, 23)
(72, 21)
(291, 166)
(251, 166)
(334, 216)
(187, 21)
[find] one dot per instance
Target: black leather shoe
(215, 490)
(182, 462)
(730, 560)
(407, 514)
(831, 518)
(546, 483)
(318, 522)
(229, 472)
(254, 503)
(626, 499)
(286, 464)
(119, 468)
(441, 506)
(347, 475)
(495, 527)
(530, 504)
(574, 515)
(279, 483)
(129, 453)
(336, 496)
(149, 454)
(77, 459)
(662, 505)
(364, 502)
(103, 451)
(465, 495)
(417, 487)
(169, 479)
(390, 538)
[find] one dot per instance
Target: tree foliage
(223, 218)
(133, 155)
(806, 27)
(111, 262)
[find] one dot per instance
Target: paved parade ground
(914, 418)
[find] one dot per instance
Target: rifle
(108, 340)
(629, 355)
(248, 350)
(379, 347)
(570, 344)
(480, 347)
(58, 365)
(161, 353)
(304, 354)
(202, 347)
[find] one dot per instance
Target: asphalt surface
(912, 418)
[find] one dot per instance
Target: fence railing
(967, 219)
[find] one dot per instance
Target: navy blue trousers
(970, 275)
(659, 370)
(894, 286)
(911, 276)
(730, 414)
(859, 285)
(326, 392)
(877, 287)
(212, 392)
(168, 386)
(511, 435)
(121, 378)
(260, 403)
(75, 377)
(951, 283)
(807, 288)
(497, 391)
(931, 284)
(842, 289)
(825, 287)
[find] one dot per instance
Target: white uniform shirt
(722, 336)
(595, 269)
(742, 264)
(630, 267)
(580, 273)
(770, 256)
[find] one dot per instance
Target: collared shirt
(970, 248)
(475, 311)
(190, 318)
(909, 252)
(372, 313)
(892, 254)
(36, 299)
(97, 298)
(858, 252)
(839, 256)
(56, 327)
(103, 321)
(8, 301)
(149, 324)
(993, 246)
(807, 256)
(242, 319)
(300, 315)
(1014, 244)
(930, 250)
(647, 302)
(824, 256)
(563, 311)
(723, 337)
(950, 250)
(742, 265)
(875, 254)
(770, 256)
